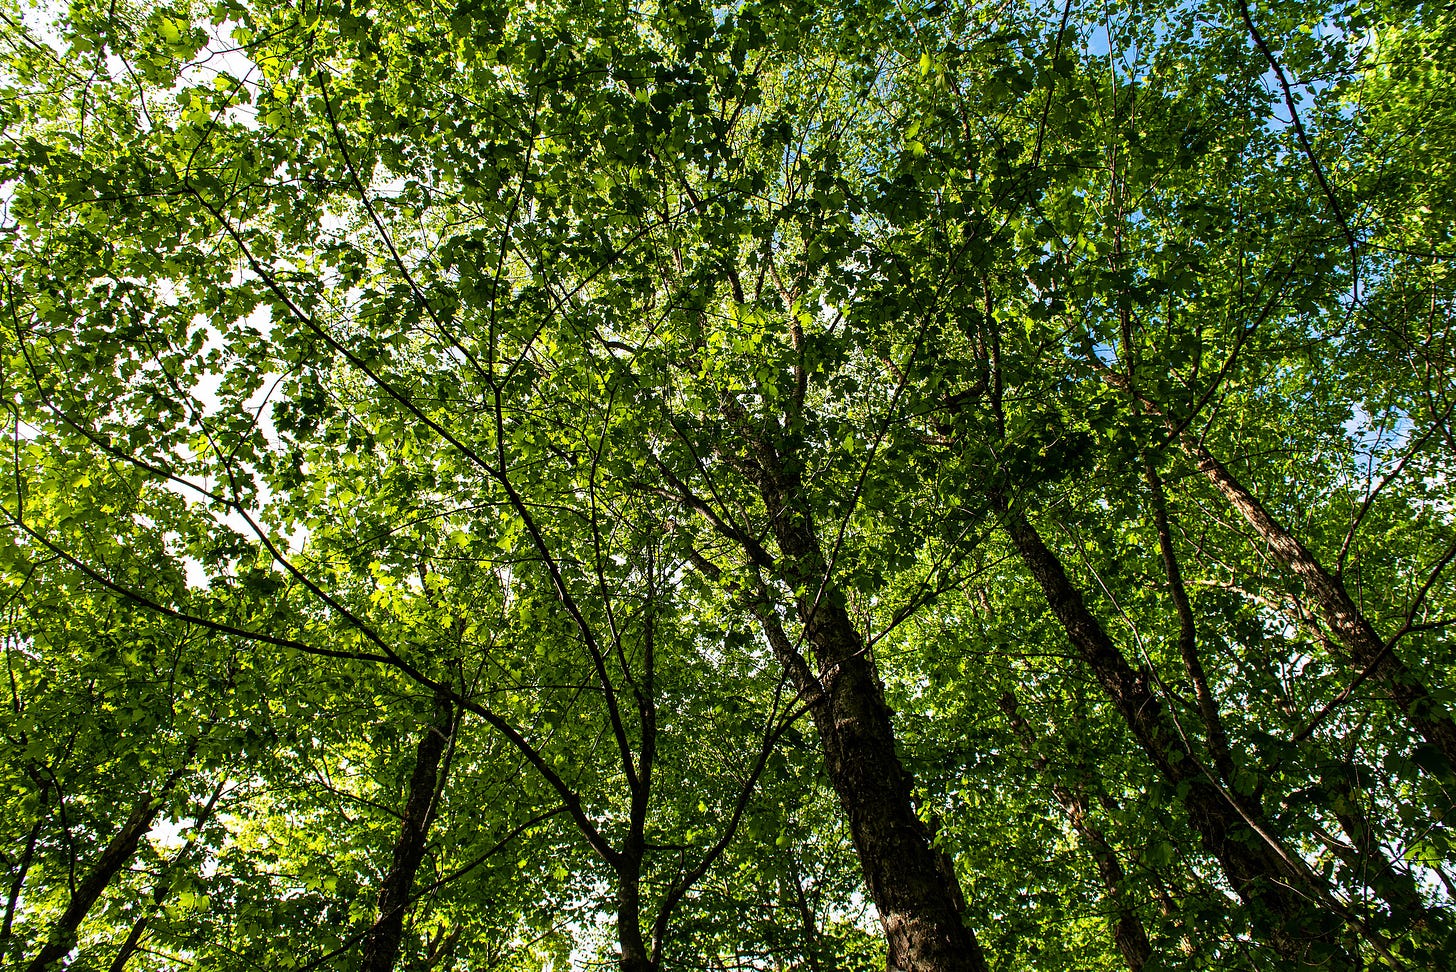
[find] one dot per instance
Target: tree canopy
(543, 485)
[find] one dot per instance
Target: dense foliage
(774, 485)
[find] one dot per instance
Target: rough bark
(1371, 654)
(1128, 933)
(381, 944)
(118, 852)
(1270, 882)
(915, 894)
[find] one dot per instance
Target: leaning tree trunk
(1215, 736)
(1366, 857)
(1371, 654)
(1375, 657)
(21, 870)
(382, 942)
(913, 888)
(1270, 882)
(164, 885)
(815, 954)
(118, 852)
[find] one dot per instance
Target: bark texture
(1271, 883)
(634, 954)
(913, 889)
(381, 944)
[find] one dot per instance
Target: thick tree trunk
(381, 944)
(1370, 653)
(913, 889)
(116, 855)
(634, 954)
(1270, 883)
(1128, 933)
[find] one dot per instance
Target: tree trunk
(381, 944)
(814, 951)
(21, 870)
(164, 885)
(1265, 878)
(1370, 653)
(18, 882)
(1215, 738)
(914, 891)
(116, 855)
(634, 957)
(1128, 933)
(134, 937)
(1367, 858)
